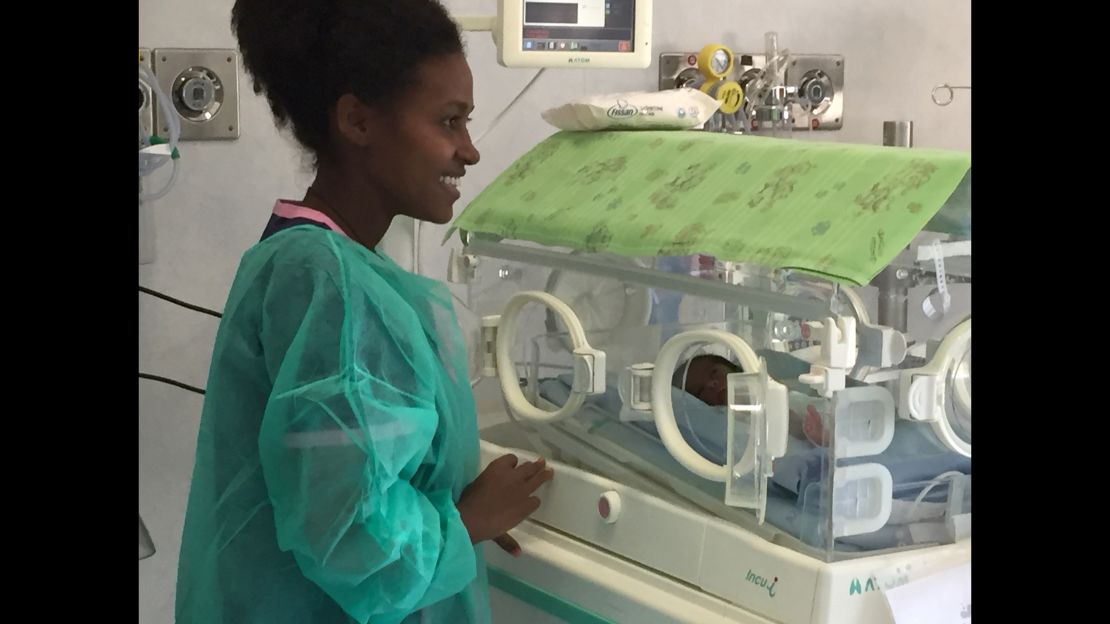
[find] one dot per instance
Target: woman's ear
(355, 121)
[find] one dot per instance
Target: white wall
(895, 53)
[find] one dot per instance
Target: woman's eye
(456, 122)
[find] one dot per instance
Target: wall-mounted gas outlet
(815, 82)
(146, 101)
(203, 85)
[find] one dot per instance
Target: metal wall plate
(146, 99)
(203, 85)
(820, 78)
(817, 76)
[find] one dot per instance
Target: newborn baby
(706, 377)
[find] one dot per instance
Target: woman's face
(422, 147)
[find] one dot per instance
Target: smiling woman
(336, 475)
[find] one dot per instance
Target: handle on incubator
(589, 363)
(663, 408)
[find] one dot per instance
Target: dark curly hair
(305, 54)
(680, 372)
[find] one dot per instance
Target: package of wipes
(671, 109)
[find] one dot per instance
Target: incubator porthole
(959, 380)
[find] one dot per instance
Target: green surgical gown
(337, 434)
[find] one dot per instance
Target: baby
(706, 377)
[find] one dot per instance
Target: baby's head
(706, 377)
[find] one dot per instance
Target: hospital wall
(895, 52)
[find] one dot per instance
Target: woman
(336, 468)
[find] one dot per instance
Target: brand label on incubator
(762, 581)
(890, 579)
(858, 588)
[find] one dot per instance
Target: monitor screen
(579, 25)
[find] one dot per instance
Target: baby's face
(707, 379)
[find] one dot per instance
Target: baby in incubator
(706, 377)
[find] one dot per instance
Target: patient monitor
(569, 33)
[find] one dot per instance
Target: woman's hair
(305, 54)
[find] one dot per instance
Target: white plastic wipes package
(672, 109)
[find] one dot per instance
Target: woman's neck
(358, 210)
